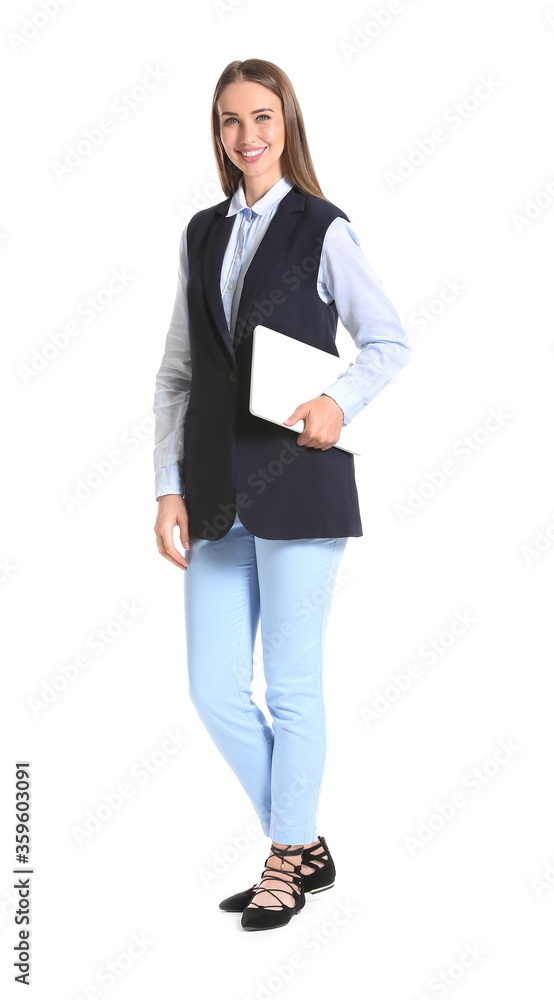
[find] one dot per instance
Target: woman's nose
(247, 135)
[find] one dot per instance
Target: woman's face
(251, 118)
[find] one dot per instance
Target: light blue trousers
(232, 584)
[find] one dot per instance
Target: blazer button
(232, 376)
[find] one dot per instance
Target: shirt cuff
(168, 480)
(348, 400)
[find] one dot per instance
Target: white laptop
(287, 372)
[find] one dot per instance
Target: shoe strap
(293, 878)
(282, 852)
(310, 856)
(276, 873)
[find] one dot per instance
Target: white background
(474, 211)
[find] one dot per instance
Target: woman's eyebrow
(256, 112)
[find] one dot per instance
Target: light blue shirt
(345, 276)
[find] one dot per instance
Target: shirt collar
(264, 204)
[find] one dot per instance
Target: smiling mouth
(251, 155)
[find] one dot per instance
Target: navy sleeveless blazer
(233, 461)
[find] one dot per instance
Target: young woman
(264, 512)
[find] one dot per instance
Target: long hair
(297, 160)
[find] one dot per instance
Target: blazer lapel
(282, 223)
(214, 251)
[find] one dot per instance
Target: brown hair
(297, 159)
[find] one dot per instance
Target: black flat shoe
(323, 877)
(262, 916)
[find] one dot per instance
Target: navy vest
(233, 461)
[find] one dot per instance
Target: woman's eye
(229, 120)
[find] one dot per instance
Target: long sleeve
(346, 276)
(172, 392)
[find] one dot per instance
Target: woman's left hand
(322, 422)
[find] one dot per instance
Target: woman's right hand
(171, 511)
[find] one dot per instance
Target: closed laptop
(287, 372)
